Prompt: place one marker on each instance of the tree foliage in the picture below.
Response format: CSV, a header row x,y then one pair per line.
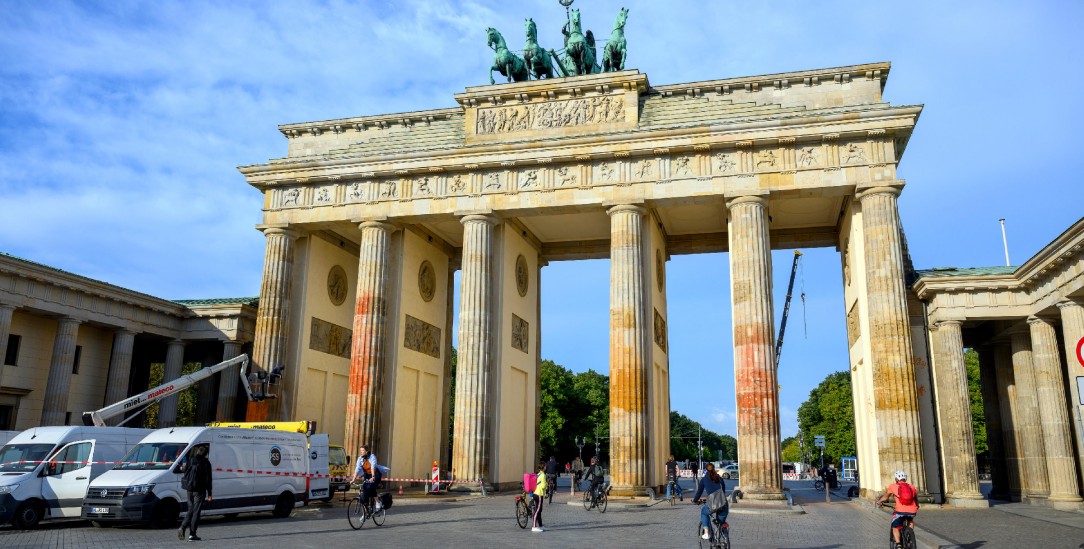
x,y
573,405
186,405
683,438
829,412
792,450
974,394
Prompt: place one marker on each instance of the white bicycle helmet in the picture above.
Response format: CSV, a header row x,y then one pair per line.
x,y
900,475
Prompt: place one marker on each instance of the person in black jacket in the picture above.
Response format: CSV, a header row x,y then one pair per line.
x,y
197,480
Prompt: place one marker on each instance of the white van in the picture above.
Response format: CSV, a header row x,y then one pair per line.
x,y
252,470
45,471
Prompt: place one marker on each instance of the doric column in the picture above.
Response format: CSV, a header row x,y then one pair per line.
x,y
370,326
6,311
167,407
1010,420
120,369
1072,328
756,384
957,437
1050,392
60,372
628,329
991,406
1035,485
273,315
470,440
227,383
899,433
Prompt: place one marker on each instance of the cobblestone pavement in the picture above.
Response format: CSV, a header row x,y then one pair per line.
x,y
490,522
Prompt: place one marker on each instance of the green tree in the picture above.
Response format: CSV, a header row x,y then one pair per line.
x,y
186,404
829,411
974,394
792,451
558,395
683,438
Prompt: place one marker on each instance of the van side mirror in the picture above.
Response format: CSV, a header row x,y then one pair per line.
x,y
348,459
51,468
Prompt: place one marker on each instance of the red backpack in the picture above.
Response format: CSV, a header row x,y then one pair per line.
x,y
906,495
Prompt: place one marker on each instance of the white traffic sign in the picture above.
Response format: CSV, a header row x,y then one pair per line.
x,y
818,441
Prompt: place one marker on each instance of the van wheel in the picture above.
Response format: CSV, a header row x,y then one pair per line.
x,y
284,506
165,514
330,495
29,514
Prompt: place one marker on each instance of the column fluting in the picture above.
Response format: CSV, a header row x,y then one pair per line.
x,y
1036,484
60,372
120,369
273,314
899,432
1010,420
756,383
367,349
1072,328
470,440
167,407
227,383
6,312
628,329
1050,392
957,437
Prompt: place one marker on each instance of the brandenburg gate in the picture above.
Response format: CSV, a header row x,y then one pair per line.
x,y
366,219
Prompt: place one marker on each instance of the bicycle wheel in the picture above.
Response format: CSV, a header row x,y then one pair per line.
x,y
722,536
602,500
378,517
907,538
587,499
522,515
700,530
355,513
819,485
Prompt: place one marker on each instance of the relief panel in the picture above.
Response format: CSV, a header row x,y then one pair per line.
x,y
422,337
550,115
521,333
329,338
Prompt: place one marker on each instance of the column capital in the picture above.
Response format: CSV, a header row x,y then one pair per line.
x,y
951,323
761,200
126,330
69,320
488,219
176,342
1063,304
285,231
1036,321
872,191
626,208
382,225
6,306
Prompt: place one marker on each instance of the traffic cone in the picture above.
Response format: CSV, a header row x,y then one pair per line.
x,y
400,489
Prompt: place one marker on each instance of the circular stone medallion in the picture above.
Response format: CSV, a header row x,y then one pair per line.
x,y
336,285
522,276
427,281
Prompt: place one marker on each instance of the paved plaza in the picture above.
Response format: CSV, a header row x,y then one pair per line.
x,y
489,522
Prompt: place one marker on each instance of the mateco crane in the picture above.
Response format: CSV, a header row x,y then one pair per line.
x,y
138,402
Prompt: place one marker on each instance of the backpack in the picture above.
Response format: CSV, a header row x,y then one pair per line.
x,y
717,500
530,482
906,495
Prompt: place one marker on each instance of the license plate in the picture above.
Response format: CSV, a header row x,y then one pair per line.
x,y
99,510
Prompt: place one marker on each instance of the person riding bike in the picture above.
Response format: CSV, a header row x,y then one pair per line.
x,y
906,503
595,475
551,472
577,470
672,475
709,484
368,469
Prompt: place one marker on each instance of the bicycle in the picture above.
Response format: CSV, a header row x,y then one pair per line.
x,y
675,491
359,510
819,485
596,499
525,508
551,486
907,533
718,534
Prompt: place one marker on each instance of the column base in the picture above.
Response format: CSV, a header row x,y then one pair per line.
x,y
628,491
761,495
968,501
1065,504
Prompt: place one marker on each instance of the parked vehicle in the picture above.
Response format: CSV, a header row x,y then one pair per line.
x,y
45,471
340,469
319,486
730,471
254,470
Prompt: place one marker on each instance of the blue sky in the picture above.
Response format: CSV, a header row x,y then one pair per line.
x,y
121,124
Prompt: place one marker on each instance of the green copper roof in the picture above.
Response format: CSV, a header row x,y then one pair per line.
x,y
253,301
940,272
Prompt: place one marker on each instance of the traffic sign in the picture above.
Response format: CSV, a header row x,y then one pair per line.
x,y
1079,349
818,441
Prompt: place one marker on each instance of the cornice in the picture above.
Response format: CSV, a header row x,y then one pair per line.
x,y
839,75
364,123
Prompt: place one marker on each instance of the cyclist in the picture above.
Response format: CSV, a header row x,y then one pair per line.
x,y
906,503
367,469
577,470
672,475
551,472
595,475
710,483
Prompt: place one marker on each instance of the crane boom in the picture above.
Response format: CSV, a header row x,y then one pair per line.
x,y
786,308
171,387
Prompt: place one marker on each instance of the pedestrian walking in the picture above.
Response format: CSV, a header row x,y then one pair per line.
x,y
197,480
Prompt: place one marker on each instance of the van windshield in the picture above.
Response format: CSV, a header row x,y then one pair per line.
x,y
12,454
152,455
337,456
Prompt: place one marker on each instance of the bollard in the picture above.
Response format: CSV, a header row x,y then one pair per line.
x,y
483,482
